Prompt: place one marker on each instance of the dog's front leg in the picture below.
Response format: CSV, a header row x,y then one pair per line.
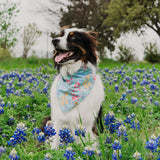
x,y
56,142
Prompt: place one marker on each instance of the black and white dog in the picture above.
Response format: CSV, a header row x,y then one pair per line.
x,y
77,92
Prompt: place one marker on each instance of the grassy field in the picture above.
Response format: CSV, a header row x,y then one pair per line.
x,y
131,113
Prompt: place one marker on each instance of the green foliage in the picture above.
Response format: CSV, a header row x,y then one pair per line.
x,y
4,54
125,54
90,14
126,15
151,53
30,35
8,28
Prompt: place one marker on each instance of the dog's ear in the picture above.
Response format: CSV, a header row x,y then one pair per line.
x,y
93,34
65,27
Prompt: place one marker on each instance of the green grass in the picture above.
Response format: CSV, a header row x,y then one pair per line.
x,y
38,75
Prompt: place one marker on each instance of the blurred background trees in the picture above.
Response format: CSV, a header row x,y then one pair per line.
x,y
110,18
8,29
30,35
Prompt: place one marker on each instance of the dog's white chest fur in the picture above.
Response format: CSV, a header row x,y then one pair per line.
x,y
86,111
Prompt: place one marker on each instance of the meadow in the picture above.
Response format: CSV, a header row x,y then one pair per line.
x,y
131,113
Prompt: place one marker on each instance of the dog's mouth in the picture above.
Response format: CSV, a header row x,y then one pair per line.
x,y
62,56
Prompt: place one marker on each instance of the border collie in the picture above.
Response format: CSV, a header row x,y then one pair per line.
x,y
77,92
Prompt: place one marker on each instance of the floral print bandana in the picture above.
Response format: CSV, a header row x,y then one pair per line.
x,y
73,89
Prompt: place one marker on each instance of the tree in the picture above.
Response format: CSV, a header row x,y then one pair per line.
x,y
30,35
8,29
90,14
126,15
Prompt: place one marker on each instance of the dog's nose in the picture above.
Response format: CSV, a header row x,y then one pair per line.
x,y
55,41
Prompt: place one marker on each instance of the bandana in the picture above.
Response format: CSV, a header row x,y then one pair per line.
x,y
73,89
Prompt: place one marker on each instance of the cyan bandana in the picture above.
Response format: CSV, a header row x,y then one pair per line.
x,y
73,89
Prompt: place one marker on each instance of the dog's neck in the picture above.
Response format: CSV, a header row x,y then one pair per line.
x,y
73,67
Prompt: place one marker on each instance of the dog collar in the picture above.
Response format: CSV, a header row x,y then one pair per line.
x,y
73,89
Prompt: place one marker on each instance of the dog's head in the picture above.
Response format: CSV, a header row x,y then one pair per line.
x,y
75,44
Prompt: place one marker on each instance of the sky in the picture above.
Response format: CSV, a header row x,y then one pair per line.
x,y
32,11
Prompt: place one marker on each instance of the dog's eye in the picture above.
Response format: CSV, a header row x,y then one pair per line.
x,y
72,37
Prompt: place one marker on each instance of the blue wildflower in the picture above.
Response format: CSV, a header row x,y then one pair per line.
x,y
36,130
18,136
152,144
49,130
13,155
88,151
10,121
128,119
80,131
134,100
69,154
156,103
109,118
65,135
116,88
108,140
41,137
135,124
116,145
114,155
122,132
2,150
1,110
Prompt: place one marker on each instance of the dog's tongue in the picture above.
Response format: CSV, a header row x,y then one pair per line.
x,y
61,56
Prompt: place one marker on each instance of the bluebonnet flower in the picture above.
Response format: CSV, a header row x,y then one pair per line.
x,y
116,145
18,136
152,144
153,87
111,106
108,140
26,106
122,132
1,110
69,154
49,130
156,103
2,104
65,135
80,131
2,150
116,88
48,156
109,118
36,130
137,156
11,121
134,82
14,104
41,137
48,105
133,115
134,100
114,155
109,121
88,151
128,119
123,96
135,124
13,155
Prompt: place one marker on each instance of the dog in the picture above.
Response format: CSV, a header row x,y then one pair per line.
x,y
77,92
